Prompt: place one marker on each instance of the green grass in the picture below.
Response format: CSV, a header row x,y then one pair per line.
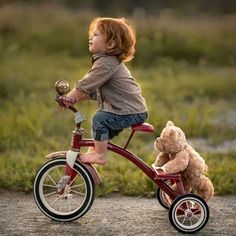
x,y
32,125
52,29
222,172
190,84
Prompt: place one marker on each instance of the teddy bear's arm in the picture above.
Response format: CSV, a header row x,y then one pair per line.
x,y
178,164
162,159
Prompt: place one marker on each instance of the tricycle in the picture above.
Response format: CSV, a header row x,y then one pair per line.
x,y
64,187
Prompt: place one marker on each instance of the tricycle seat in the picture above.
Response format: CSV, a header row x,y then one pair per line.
x,y
145,127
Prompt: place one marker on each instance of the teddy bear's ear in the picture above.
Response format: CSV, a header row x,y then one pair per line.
x,y
169,123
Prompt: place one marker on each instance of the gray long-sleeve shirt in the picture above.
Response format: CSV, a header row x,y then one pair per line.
x,y
112,85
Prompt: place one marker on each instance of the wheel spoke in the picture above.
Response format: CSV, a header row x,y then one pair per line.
x,y
54,201
68,200
181,209
59,173
187,205
73,200
48,185
79,193
197,211
190,220
72,180
52,180
48,194
60,207
77,185
198,218
184,220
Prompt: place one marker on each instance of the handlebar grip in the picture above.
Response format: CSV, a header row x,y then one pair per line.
x,y
60,101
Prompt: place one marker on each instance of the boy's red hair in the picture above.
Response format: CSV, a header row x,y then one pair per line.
x,y
119,31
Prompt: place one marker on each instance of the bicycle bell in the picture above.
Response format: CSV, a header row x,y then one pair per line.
x,y
62,87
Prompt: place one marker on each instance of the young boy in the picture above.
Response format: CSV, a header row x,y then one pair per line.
x,y
119,98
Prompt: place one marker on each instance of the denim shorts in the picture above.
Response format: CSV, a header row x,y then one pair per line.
x,y
106,125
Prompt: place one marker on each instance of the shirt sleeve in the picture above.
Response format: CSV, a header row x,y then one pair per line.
x,y
99,74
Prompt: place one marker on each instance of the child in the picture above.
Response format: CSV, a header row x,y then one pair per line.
x,y
119,99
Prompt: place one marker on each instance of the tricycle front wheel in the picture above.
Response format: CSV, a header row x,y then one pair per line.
x,y
188,213
77,197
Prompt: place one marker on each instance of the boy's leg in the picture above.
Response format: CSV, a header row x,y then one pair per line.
x,y
91,149
99,154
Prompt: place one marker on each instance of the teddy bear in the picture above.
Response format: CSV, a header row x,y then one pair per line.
x,y
177,156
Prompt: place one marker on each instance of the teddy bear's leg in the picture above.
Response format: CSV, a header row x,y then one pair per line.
x,y
187,186
176,189
204,188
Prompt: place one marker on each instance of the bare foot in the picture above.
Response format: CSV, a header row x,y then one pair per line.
x,y
91,149
93,158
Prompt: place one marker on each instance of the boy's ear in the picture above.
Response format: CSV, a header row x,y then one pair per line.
x,y
111,44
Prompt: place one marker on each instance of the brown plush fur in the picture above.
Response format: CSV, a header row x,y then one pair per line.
x,y
177,156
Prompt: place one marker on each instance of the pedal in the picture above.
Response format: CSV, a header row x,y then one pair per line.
x,y
62,184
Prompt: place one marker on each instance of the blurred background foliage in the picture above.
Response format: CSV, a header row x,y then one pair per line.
x,y
185,63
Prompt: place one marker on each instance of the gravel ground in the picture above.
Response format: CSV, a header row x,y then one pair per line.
x,y
116,215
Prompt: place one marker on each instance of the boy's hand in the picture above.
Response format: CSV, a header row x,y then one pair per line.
x,y
65,101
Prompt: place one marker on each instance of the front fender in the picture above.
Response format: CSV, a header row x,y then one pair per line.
x,y
56,154
90,168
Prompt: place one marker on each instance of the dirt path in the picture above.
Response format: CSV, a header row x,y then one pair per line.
x,y
109,216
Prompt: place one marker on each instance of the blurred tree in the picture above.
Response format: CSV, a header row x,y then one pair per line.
x,y
118,7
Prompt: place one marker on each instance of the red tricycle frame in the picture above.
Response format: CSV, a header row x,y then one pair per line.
x,y
64,187
160,179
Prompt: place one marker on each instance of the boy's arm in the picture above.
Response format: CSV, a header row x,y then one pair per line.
x,y
77,94
74,96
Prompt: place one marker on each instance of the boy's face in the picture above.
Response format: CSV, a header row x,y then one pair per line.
x,y
97,42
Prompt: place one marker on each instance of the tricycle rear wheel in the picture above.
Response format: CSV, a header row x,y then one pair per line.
x,y
188,213
164,200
